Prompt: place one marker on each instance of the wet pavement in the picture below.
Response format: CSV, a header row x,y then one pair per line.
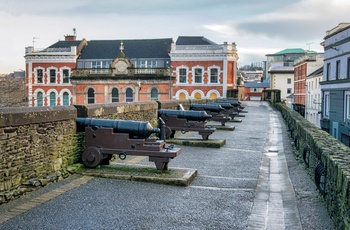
x,y
252,182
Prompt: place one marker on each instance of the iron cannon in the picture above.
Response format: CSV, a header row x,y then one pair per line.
x,y
104,138
185,121
214,109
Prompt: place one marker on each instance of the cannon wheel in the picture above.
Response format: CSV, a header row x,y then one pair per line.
x,y
92,157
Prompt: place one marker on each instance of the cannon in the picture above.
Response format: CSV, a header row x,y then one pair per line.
x,y
236,104
185,121
212,109
105,137
229,110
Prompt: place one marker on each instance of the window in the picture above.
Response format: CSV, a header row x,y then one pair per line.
x,y
347,105
182,75
100,64
151,64
65,98
214,75
115,95
39,75
65,76
129,97
39,98
52,99
197,96
91,96
289,90
154,94
326,106
328,71
198,75
52,76
289,81
337,72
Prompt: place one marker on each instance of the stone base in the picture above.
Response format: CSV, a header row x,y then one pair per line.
x,y
134,172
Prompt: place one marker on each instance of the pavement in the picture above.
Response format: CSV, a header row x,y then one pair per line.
x,y
252,182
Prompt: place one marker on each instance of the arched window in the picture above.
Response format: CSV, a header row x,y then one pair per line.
x,y
182,96
115,95
91,96
52,99
213,95
197,96
154,94
65,98
129,97
39,98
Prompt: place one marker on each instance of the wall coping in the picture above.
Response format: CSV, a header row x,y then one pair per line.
x,y
16,116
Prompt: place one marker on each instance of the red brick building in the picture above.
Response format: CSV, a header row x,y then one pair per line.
x,y
48,72
203,69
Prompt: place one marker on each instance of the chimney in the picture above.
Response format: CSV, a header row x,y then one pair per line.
x,y
70,38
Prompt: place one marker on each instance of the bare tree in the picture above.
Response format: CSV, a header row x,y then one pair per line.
x,y
12,91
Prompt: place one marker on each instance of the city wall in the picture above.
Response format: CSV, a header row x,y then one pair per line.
x,y
40,145
327,161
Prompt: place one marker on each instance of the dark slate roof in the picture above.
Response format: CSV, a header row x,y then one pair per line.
x,y
256,85
65,44
193,40
142,48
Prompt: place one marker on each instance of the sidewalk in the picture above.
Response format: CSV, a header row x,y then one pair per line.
x,y
253,182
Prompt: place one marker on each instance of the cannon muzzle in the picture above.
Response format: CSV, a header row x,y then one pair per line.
x,y
185,114
207,107
141,129
224,105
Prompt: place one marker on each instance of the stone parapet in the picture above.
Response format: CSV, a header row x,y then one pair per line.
x,y
326,159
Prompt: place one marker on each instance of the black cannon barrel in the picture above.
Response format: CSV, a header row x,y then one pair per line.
x,y
224,105
142,129
232,102
207,107
185,114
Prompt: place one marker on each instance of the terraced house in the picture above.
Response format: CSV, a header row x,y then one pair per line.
x,y
335,85
203,69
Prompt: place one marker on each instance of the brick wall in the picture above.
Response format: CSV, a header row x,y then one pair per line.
x,y
328,162
36,147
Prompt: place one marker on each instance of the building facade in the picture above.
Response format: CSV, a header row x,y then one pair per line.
x,y
48,72
202,68
313,97
110,71
335,85
282,78
253,90
304,66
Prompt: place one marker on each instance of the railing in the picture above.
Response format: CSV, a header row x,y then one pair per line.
x,y
104,72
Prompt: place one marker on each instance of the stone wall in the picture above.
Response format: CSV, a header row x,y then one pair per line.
x,y
328,163
36,147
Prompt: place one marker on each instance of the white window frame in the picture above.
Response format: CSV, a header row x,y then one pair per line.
x,y
36,75
326,104
178,74
194,74
218,75
62,76
49,75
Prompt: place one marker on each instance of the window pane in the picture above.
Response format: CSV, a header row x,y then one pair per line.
x,y
198,75
154,94
183,76
129,95
40,75
91,96
39,99
115,95
65,76
214,75
65,98
52,99
52,76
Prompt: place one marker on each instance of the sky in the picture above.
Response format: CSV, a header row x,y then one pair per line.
x,y
257,27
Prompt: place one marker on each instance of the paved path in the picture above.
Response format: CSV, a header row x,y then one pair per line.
x,y
253,182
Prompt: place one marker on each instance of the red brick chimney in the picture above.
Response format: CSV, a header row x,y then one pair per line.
x,y
70,38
